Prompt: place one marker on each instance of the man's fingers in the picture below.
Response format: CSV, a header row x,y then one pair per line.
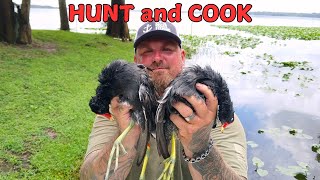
x,y
198,105
178,121
114,101
118,107
212,101
183,109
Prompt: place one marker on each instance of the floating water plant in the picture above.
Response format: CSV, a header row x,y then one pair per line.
x,y
280,32
316,148
252,144
260,131
259,164
230,53
284,131
293,170
191,43
286,76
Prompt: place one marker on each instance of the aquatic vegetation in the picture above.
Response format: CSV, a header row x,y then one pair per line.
x,y
236,41
252,144
293,171
230,53
192,43
259,164
284,131
316,148
286,76
243,72
279,32
302,65
260,131
293,131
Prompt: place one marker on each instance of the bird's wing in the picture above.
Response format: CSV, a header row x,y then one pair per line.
x,y
162,143
144,97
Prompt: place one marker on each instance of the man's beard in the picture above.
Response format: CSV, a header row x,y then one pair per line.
x,y
161,81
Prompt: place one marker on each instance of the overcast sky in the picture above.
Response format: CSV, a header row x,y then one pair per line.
x,y
297,6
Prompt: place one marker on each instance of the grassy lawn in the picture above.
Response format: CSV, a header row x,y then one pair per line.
x,y
45,89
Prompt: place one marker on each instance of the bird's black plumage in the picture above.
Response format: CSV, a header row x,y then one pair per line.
x,y
131,83
184,85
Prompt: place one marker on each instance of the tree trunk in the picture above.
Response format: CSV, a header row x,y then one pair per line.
x,y
7,24
120,28
25,36
64,22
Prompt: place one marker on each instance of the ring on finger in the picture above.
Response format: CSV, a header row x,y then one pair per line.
x,y
189,118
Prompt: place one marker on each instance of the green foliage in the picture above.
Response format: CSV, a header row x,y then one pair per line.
x,y
286,76
259,164
45,89
280,32
286,131
316,148
293,171
192,43
252,144
230,53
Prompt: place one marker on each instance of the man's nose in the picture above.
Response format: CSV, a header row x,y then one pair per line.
x,y
157,56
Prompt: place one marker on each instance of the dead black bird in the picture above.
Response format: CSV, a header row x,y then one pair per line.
x,y
184,85
131,83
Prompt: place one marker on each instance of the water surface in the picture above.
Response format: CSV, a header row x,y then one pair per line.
x,y
264,101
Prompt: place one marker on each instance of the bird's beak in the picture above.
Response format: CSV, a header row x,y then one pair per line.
x,y
144,67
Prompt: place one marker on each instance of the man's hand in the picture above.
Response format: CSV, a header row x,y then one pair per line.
x,y
195,133
121,113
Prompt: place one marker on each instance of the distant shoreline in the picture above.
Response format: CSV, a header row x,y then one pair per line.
x,y
43,7
310,15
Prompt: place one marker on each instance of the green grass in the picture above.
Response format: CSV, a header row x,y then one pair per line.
x,y
280,32
45,89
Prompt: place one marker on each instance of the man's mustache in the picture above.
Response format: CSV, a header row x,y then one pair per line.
x,y
157,65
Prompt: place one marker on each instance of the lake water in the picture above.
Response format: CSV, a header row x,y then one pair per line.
x,y
50,19
262,100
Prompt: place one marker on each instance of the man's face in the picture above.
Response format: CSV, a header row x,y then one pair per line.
x,y
164,57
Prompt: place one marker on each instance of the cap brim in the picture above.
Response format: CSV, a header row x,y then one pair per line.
x,y
157,33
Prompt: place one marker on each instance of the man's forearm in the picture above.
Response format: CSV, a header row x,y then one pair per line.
x,y
95,165
213,167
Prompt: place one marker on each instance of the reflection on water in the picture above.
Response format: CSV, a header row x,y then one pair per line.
x,y
264,101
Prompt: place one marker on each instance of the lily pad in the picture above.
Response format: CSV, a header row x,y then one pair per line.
x,y
260,131
300,176
293,170
252,144
302,164
316,148
262,172
257,162
293,131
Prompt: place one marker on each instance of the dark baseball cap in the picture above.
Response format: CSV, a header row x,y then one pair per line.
x,y
156,29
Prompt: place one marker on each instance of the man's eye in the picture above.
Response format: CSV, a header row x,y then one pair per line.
x,y
147,51
167,49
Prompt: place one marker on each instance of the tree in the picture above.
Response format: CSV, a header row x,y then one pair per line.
x,y
7,21
64,22
24,36
119,28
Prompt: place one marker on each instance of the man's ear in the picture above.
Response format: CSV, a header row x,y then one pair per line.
x,y
135,59
183,55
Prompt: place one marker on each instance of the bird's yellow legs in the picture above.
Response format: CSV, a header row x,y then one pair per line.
x,y
145,162
116,149
167,173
